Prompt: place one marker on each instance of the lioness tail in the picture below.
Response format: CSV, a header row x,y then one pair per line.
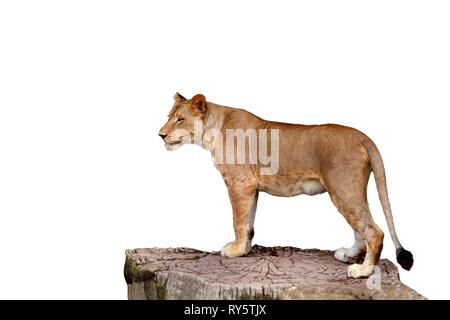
x,y
404,257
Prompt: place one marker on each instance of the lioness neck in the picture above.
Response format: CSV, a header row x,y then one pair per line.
x,y
218,117
215,116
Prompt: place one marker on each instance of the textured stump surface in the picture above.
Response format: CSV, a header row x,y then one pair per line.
x,y
266,273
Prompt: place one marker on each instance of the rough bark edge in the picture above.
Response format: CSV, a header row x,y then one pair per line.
x,y
167,287
332,292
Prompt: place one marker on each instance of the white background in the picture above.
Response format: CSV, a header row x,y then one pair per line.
x,y
86,85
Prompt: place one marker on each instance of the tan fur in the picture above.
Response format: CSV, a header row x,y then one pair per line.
x,y
312,159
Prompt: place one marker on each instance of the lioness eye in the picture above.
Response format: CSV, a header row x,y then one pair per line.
x,y
180,119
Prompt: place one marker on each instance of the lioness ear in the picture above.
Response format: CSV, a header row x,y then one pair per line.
x,y
198,105
178,97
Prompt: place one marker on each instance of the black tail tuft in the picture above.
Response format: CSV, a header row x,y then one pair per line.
x,y
405,258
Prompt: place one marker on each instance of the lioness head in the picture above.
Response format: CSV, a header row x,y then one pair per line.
x,y
179,129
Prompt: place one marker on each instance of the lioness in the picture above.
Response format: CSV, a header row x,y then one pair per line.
x,y
309,159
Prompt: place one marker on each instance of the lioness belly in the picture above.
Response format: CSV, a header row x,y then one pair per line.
x,y
279,186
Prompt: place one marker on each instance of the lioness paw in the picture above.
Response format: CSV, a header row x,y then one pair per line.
x,y
359,271
232,250
342,254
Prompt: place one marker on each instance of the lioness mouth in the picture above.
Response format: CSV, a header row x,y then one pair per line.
x,y
176,142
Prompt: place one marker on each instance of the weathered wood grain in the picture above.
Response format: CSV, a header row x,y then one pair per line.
x,y
266,273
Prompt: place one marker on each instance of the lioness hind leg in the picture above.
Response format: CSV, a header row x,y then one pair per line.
x,y
374,243
357,214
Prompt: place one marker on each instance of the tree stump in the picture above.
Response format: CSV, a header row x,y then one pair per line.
x,y
266,273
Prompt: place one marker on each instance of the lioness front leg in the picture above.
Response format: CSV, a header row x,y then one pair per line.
x,y
244,198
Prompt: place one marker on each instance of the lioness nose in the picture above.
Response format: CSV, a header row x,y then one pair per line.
x,y
163,136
